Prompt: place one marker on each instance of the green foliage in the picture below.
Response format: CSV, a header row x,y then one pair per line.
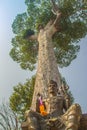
x,y
21,98
18,24
28,33
24,52
73,27
63,81
71,97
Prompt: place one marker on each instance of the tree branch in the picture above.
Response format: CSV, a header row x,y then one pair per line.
x,y
29,34
32,37
55,8
57,18
56,11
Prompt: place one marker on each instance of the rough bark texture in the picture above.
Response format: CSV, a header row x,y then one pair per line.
x,y
47,66
55,115
83,122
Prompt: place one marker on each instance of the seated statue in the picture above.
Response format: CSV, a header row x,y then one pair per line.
x,y
58,114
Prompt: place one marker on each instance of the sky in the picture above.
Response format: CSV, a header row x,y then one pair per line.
x,y
10,72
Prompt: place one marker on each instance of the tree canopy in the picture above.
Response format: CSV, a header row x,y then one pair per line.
x,y
73,27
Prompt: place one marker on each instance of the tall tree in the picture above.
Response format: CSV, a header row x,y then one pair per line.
x,y
57,26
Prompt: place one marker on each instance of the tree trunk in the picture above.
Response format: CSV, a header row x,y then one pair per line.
x,y
47,68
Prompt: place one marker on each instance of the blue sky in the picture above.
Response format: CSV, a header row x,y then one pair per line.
x,y
11,73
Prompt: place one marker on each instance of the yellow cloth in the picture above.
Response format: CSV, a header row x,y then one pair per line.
x,y
42,110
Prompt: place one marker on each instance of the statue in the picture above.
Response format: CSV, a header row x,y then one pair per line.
x,y
59,115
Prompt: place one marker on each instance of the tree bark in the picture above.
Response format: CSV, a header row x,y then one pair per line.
x,y
83,122
47,68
